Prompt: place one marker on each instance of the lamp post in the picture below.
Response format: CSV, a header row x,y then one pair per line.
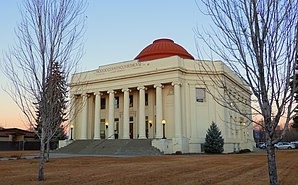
x,y
150,123
163,129
71,131
107,126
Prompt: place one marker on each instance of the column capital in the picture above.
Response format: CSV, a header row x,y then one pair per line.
x,y
97,93
72,96
158,85
85,95
126,90
176,83
142,88
75,96
111,92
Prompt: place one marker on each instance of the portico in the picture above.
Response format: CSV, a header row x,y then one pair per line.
x,y
127,110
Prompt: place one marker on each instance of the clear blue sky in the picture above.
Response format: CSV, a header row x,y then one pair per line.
x,y
116,31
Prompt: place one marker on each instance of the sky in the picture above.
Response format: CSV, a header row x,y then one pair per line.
x,y
116,31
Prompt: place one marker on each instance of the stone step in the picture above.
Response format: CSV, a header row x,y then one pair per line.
x,y
75,146
112,147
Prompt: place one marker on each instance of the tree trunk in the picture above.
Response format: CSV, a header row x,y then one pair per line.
x,y
48,151
41,160
272,165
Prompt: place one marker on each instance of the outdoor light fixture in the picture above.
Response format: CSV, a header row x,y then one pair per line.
x,y
71,131
150,123
164,129
107,124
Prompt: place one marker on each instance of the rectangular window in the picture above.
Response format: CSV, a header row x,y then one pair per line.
x,y
200,94
102,103
130,118
116,102
130,100
146,99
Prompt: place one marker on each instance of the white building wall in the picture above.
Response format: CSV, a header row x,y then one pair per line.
x,y
196,116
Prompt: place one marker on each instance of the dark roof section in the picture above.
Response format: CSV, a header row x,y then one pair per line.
x,y
16,131
162,48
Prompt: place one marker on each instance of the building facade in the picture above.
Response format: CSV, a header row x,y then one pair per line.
x,y
159,95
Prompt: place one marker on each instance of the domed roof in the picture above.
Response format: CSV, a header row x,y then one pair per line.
x,y
162,48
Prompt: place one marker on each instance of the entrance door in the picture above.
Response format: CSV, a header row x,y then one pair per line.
x,y
146,127
131,130
116,131
102,129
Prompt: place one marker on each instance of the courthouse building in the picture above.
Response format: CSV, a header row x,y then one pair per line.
x,y
159,95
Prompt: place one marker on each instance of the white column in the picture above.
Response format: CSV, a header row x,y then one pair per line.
x,y
177,108
111,121
84,116
126,114
97,115
72,117
159,113
142,132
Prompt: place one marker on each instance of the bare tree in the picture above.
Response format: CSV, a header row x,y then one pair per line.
x,y
257,40
48,34
55,95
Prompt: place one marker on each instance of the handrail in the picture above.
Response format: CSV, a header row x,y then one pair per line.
x,y
111,136
103,140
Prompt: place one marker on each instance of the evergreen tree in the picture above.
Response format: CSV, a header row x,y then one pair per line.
x,y
295,124
55,95
213,141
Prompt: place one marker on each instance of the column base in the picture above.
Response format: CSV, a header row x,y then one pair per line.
x,y
158,137
96,138
142,137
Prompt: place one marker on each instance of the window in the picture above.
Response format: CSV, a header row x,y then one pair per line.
x,y
116,102
130,118
200,94
130,100
102,103
146,99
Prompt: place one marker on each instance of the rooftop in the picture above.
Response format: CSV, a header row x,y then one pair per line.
x,y
162,48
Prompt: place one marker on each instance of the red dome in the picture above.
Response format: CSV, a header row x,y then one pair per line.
x,y
162,48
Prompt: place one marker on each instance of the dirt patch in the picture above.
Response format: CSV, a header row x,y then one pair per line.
x,y
18,153
195,169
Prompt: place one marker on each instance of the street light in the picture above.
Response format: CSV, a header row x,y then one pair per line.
x,y
71,131
107,125
164,128
150,123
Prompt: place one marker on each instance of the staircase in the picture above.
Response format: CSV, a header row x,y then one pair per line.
x,y
111,147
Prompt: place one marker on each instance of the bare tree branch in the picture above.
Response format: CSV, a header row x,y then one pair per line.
x,y
49,34
257,40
